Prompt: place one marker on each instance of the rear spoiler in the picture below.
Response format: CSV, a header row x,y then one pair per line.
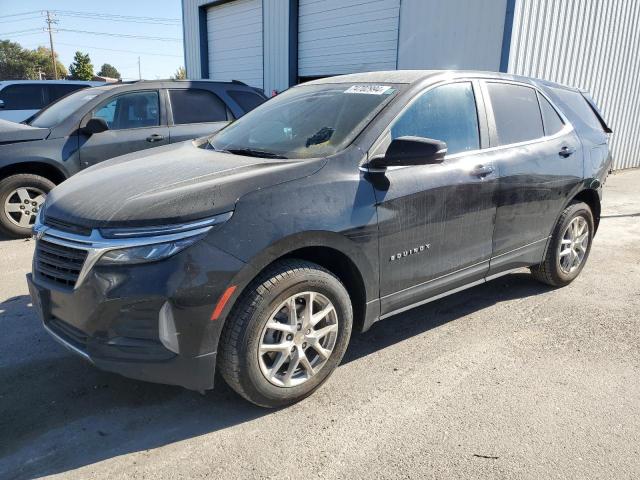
x,y
596,111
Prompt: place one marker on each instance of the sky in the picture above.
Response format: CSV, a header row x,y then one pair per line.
x,y
158,58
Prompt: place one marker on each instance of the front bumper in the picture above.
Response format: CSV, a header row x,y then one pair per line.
x,y
112,318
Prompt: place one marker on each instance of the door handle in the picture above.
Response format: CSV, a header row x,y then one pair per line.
x,y
482,170
155,138
566,151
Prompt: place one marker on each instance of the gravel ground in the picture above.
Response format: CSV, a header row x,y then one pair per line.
x,y
507,380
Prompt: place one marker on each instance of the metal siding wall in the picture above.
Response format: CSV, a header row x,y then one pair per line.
x,y
191,35
235,42
452,34
591,44
276,45
346,36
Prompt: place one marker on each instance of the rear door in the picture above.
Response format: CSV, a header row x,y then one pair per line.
x,y
436,221
195,112
136,122
539,161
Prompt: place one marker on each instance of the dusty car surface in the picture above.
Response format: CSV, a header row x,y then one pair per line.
x,y
336,204
92,125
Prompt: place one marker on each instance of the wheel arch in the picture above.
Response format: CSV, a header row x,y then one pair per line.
x,y
330,250
591,198
34,167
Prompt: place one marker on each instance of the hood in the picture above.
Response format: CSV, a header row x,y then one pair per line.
x,y
171,184
18,132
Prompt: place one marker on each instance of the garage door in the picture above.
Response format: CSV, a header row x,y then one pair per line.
x,y
346,36
234,33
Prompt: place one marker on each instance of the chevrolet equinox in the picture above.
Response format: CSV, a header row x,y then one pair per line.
x,y
341,202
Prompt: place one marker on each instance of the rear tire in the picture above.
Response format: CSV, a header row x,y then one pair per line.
x,y
568,248
275,367
21,196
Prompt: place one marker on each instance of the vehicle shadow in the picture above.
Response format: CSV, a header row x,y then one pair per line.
x,y
58,413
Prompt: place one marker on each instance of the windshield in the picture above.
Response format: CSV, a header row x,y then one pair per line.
x,y
56,112
305,122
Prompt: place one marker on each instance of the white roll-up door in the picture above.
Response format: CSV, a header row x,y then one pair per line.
x,y
234,35
347,36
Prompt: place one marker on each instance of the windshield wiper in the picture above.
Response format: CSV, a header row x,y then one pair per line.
x,y
250,152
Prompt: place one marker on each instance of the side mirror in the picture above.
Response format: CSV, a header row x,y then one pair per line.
x,y
95,125
1,103
407,151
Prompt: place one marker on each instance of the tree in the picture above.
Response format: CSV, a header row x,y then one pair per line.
x,y
181,74
42,57
17,63
108,70
81,68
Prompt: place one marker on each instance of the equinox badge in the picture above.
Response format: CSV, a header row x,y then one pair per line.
x,y
412,251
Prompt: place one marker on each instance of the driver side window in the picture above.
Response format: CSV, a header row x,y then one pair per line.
x,y
447,113
131,110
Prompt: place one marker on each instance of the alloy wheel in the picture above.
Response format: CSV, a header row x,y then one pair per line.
x,y
22,205
574,245
298,339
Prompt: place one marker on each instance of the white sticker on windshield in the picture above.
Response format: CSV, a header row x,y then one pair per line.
x,y
369,89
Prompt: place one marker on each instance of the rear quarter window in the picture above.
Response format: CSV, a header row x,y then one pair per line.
x,y
576,107
247,100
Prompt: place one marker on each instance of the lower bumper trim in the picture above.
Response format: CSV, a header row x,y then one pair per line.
x,y
67,345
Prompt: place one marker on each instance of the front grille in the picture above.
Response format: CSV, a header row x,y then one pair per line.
x,y
66,227
59,264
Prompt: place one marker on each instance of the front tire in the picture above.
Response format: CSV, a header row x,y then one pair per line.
x,y
21,196
568,248
286,335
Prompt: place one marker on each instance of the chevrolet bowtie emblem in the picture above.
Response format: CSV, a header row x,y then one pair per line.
x,y
412,251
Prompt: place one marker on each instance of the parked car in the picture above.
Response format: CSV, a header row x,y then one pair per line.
x,y
92,125
336,204
20,99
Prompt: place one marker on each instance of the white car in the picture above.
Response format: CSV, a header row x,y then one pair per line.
x,y
19,99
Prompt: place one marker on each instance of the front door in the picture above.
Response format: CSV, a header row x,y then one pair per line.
x,y
135,123
436,221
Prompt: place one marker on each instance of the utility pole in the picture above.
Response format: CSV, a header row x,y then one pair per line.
x,y
139,74
49,21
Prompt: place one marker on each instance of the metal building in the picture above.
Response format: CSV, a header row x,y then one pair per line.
x,y
273,44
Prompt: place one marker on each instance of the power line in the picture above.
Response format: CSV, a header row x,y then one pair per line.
x,y
21,19
119,18
121,35
117,50
20,14
17,32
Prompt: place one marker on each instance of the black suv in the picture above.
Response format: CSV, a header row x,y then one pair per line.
x,y
338,203
92,125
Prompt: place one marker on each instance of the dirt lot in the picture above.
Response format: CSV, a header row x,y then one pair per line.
x,y
507,380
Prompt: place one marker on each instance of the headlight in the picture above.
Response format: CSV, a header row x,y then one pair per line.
x,y
146,253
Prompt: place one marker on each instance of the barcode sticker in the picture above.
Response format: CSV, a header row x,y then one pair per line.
x,y
369,89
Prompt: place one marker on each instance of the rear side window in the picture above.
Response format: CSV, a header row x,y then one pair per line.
x,y
516,113
552,121
196,106
23,97
58,91
447,113
247,100
579,107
